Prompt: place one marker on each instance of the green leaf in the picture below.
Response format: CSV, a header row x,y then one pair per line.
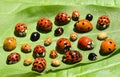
x,y
30,11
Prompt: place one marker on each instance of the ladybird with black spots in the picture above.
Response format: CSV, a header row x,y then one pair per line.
x,y
72,56
63,44
103,22
39,65
107,46
21,29
39,51
83,26
44,24
85,43
13,58
62,18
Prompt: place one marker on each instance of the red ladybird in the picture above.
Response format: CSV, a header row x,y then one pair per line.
x,y
13,58
83,26
63,44
39,64
75,15
53,53
39,51
44,24
107,46
103,22
85,43
21,29
72,57
62,18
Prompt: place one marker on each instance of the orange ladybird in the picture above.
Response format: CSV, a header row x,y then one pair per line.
x,y
63,44
108,46
83,26
75,15
26,48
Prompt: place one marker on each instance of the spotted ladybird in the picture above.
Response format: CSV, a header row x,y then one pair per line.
x,y
21,29
63,44
39,65
62,18
13,58
83,26
44,24
103,22
107,46
39,51
72,57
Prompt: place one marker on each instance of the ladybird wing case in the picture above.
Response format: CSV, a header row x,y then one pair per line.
x,y
72,57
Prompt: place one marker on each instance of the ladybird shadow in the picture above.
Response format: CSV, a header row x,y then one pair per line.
x,y
59,51
28,74
34,56
61,24
17,35
41,31
25,52
100,28
103,54
75,30
83,48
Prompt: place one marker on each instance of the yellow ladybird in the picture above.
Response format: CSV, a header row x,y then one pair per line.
x,y
9,43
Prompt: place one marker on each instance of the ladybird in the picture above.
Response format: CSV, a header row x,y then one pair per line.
x,y
39,51
63,44
73,36
59,31
62,18
89,17
44,24
53,53
83,26
55,63
13,58
21,29
27,61
72,57
92,56
9,43
103,22
102,36
47,41
26,48
85,43
34,36
39,65
107,46
75,15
